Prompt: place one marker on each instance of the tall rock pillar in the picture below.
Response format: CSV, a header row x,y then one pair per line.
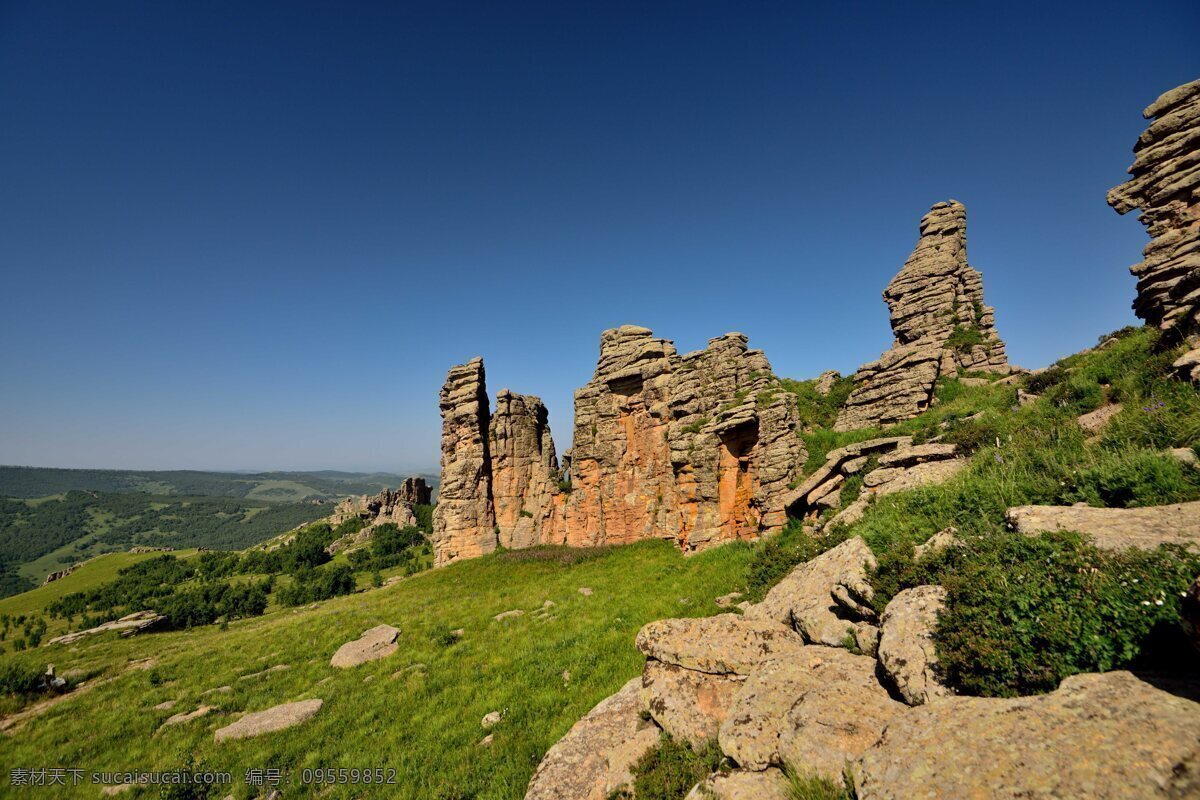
x,y
940,324
1166,187
464,521
524,468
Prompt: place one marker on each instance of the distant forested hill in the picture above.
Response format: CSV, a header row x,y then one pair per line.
x,y
29,482
44,535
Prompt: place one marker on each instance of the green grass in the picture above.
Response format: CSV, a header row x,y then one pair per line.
x,y
424,723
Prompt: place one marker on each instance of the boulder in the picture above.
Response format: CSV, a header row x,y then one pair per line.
x,y
813,711
1103,737
273,719
375,643
813,597
128,625
740,784
687,704
593,760
727,644
947,537
1115,528
906,648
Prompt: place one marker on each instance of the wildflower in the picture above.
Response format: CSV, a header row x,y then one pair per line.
x,y
1145,602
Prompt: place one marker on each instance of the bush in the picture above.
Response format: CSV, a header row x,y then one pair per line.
x,y
1077,395
819,410
19,679
388,539
1024,612
309,586
1047,378
1130,478
672,768
963,338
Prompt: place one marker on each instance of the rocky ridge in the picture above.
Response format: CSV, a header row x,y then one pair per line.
x,y
940,325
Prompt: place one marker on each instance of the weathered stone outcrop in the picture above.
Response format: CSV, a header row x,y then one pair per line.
x,y
697,449
727,644
1103,737
1165,186
415,490
940,324
128,625
524,468
1115,528
391,506
375,643
687,704
273,719
464,521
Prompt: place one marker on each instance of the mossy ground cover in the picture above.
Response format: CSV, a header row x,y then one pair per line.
x,y
422,721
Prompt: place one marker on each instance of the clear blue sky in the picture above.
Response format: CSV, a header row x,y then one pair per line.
x,y
255,235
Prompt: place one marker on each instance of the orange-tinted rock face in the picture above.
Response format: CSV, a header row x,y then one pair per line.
x,y
696,449
464,522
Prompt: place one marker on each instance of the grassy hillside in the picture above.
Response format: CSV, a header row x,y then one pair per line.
x,y
423,721
32,482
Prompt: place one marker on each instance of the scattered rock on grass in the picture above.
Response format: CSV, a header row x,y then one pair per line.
x,y
516,612
374,644
906,648
274,719
740,784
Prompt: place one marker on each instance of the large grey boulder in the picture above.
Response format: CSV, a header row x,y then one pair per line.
x,y
687,704
273,719
1102,737
593,760
825,598
906,648
721,645
813,711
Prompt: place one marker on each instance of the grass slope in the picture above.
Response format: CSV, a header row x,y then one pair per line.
x,y
425,723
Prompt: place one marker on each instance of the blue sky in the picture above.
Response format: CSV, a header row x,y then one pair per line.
x,y
256,235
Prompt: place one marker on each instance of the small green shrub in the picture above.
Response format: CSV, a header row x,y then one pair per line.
x,y
19,679
1047,378
804,786
819,410
1024,612
1077,395
1130,478
963,338
672,768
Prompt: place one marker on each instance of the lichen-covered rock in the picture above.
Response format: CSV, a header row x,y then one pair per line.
x,y
906,648
824,598
1115,528
1166,188
940,325
812,711
464,520
741,784
593,760
727,644
524,468
1104,737
687,704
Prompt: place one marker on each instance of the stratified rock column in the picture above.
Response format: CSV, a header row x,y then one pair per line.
x,y
940,324
524,468
1166,187
464,523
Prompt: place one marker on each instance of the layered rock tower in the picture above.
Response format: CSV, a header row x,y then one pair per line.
x,y
940,323
1166,187
697,449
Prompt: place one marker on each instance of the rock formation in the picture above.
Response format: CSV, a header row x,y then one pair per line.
x,y
1166,187
1115,528
415,491
387,506
698,449
940,323
524,468
464,521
